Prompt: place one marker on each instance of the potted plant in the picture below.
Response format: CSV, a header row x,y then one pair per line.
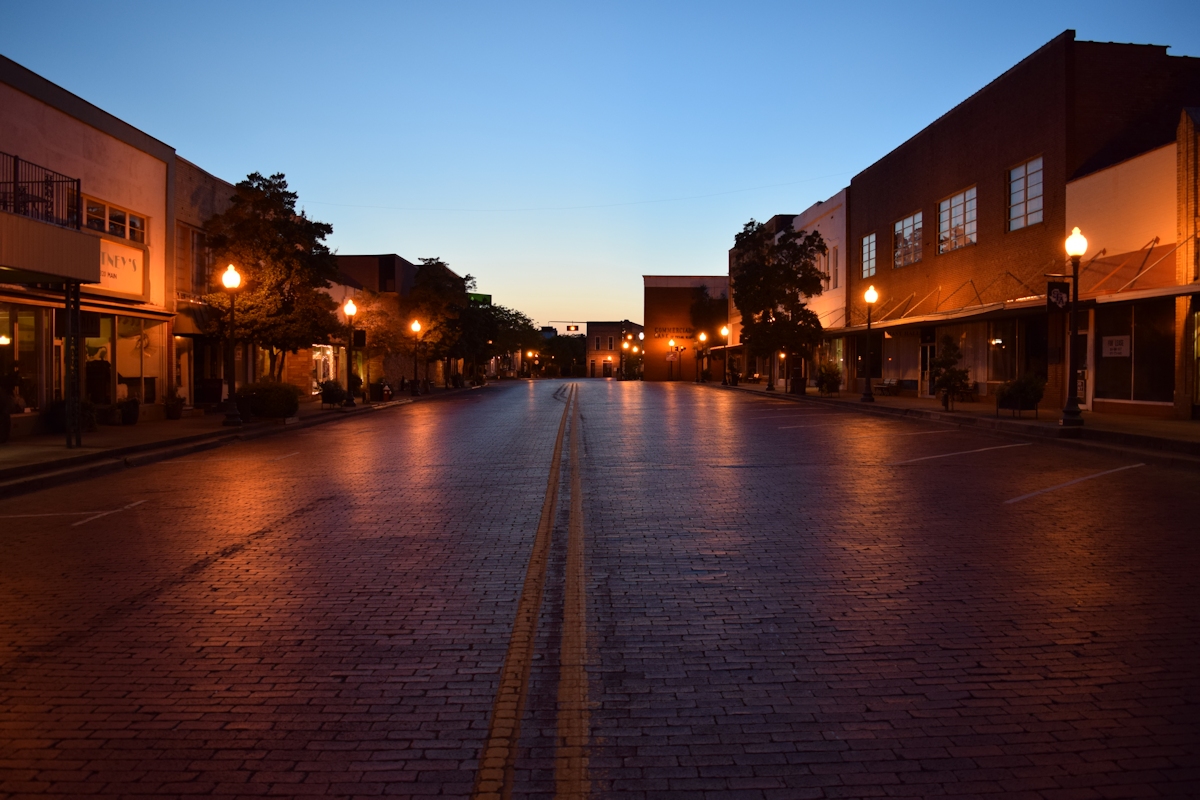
x,y
129,408
173,406
332,393
1022,394
829,378
949,379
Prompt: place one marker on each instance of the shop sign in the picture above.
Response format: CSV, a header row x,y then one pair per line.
x,y
1114,346
122,269
672,356
1058,294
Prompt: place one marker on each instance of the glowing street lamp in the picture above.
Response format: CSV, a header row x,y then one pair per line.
x,y
725,356
416,383
700,354
1072,417
870,296
231,279
349,309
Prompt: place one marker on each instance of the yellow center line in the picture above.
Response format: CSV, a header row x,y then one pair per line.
x,y
494,780
571,756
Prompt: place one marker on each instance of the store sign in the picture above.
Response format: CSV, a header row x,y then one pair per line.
x,y
1058,294
1114,346
122,269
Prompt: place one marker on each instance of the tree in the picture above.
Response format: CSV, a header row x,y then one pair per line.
x,y
773,274
437,299
285,264
708,313
948,378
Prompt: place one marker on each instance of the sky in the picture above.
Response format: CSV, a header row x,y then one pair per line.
x,y
559,151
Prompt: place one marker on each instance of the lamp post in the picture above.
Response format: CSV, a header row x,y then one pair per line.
x,y
416,329
349,309
870,296
701,356
783,369
1072,417
725,356
624,352
231,279
671,360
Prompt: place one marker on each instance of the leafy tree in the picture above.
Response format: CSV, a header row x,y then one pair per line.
x,y
948,378
709,313
437,299
565,351
285,264
773,274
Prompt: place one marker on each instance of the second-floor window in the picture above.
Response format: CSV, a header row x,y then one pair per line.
x,y
1025,194
597,342
868,256
610,343
833,267
906,246
956,221
114,221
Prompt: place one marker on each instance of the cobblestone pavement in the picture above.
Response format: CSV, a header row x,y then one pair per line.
x,y
782,601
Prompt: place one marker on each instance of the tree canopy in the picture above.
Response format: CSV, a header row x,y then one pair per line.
x,y
709,313
773,274
284,263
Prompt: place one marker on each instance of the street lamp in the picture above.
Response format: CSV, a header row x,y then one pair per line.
x,y
625,352
416,329
671,360
1072,417
725,356
349,309
870,296
700,355
231,279
783,369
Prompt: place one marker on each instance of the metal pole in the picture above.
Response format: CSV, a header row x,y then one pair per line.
x,y
416,388
868,396
349,402
1072,417
232,417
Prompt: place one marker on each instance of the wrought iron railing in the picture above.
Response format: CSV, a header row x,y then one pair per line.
x,y
42,194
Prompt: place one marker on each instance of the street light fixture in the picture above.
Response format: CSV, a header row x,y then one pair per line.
x,y
349,309
231,279
725,356
700,354
416,384
671,360
870,296
1072,417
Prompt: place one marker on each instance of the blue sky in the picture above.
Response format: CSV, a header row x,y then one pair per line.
x,y
556,151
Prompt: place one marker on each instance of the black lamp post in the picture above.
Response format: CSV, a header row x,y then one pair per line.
x,y
416,329
231,279
725,357
870,296
349,309
1072,417
701,356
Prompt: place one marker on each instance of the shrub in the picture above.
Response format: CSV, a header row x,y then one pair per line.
x,y
829,378
271,399
332,393
1022,394
949,379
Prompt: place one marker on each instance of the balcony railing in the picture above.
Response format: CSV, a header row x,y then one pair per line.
x,y
39,193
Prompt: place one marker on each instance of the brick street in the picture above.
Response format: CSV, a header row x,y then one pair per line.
x,y
779,600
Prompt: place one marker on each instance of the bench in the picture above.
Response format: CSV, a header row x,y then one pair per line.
x,y
887,386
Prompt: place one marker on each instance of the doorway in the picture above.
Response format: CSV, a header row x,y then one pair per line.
x,y
928,351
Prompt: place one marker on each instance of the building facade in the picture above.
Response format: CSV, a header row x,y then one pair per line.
x,y
613,349
673,350
959,227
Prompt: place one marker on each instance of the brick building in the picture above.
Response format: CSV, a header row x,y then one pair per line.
x,y
610,348
958,227
672,343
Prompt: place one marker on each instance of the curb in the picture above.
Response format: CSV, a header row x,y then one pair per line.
x,y
1165,452
55,473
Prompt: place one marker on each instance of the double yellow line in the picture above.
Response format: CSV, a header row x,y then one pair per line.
x,y
497,762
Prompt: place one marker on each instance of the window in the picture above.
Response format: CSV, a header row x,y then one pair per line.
x,y
200,262
597,342
114,221
1025,194
833,268
956,221
610,343
868,258
906,248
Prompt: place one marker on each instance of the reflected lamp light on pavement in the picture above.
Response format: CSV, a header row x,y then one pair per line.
x,y
1077,244
232,279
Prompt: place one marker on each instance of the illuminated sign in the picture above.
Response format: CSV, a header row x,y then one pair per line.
x,y
122,269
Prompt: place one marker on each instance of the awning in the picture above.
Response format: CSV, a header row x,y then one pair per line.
x,y
38,252
1145,294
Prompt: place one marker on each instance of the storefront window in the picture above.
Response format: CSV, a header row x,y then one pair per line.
x,y
323,367
1135,351
184,369
21,341
1002,350
98,368
139,358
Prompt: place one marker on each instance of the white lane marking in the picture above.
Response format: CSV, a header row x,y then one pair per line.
x,y
1072,483
915,433
106,513
959,453
289,455
796,427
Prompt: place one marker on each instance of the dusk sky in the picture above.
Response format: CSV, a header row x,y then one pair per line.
x,y
557,152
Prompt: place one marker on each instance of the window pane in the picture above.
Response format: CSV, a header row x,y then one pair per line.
x,y
1112,372
96,217
137,228
1154,350
116,222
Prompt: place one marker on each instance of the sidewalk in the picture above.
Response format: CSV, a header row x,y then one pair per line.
x,y
35,462
1170,440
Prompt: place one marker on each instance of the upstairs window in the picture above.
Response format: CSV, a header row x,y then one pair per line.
x,y
1025,194
610,343
114,221
956,221
833,268
868,256
907,242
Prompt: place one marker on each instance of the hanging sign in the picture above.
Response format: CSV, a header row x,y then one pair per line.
x,y
122,269
1058,295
